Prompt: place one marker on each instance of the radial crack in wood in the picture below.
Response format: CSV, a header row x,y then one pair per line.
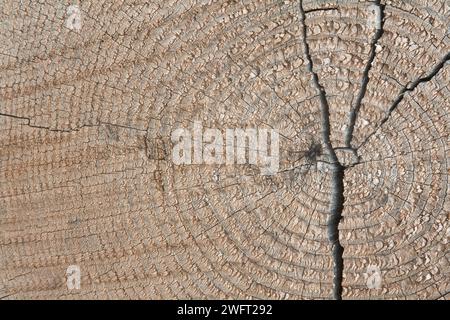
x,y
341,109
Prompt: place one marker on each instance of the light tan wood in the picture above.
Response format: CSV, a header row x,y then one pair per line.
x,y
87,108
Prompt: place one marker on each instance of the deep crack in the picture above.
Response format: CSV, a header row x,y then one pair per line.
x,y
407,88
336,208
365,79
337,178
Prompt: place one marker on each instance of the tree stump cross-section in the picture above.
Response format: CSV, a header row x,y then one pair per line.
x,y
94,206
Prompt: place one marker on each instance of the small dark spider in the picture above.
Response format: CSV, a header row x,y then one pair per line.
x,y
313,152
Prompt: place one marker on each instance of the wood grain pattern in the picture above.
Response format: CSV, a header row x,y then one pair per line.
x,y
87,178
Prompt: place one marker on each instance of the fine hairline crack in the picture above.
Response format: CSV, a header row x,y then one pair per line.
x,y
100,123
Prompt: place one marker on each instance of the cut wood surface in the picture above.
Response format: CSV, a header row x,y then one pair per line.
x,y
91,91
